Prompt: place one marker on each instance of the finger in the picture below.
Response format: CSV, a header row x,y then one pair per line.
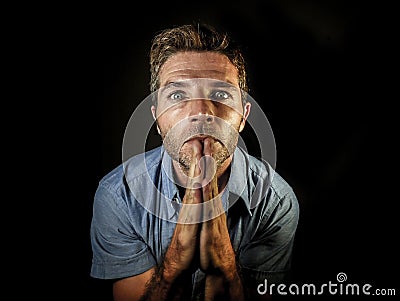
x,y
192,193
208,146
210,190
190,212
211,167
207,151
192,187
212,201
207,191
214,186
215,204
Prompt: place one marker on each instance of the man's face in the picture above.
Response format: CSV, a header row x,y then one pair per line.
x,y
199,98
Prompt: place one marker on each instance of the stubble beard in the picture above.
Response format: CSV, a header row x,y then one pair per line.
x,y
226,140
185,155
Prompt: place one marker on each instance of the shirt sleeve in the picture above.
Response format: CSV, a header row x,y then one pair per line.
x,y
118,251
268,254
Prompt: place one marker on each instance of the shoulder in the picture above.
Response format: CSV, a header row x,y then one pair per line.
x,y
276,191
133,168
264,171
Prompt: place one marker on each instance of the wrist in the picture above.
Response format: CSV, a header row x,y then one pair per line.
x,y
168,273
232,276
234,286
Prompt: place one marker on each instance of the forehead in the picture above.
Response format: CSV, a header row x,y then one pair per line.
x,y
187,65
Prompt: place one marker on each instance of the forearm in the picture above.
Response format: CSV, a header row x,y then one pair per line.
x,y
234,287
171,278
166,285
158,287
224,286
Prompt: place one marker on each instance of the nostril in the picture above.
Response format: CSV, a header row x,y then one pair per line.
x,y
202,118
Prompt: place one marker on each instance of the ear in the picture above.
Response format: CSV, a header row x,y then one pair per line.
x,y
153,112
246,113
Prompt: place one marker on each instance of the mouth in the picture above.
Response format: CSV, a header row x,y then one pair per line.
x,y
201,138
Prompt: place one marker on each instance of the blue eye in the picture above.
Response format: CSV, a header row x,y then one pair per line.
x,y
220,95
179,95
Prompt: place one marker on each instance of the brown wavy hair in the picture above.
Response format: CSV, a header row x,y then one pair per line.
x,y
194,37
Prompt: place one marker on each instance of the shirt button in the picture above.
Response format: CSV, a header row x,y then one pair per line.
x,y
175,203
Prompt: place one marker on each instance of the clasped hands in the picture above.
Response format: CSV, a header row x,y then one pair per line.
x,y
205,244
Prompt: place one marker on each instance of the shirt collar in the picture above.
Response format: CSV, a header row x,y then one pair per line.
x,y
237,184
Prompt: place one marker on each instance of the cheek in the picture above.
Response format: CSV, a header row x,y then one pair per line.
x,y
231,115
233,118
163,123
167,120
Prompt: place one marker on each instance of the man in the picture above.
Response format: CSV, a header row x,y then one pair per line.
x,y
198,217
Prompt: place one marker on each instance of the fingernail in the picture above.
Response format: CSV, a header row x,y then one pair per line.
x,y
196,185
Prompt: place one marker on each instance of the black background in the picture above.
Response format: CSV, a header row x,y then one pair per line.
x,y
317,68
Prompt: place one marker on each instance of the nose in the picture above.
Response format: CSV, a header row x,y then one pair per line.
x,y
201,111
202,118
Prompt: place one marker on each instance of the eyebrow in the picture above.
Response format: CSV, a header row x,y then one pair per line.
x,y
222,84
170,85
180,84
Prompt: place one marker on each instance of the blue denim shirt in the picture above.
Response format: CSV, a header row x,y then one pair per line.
x,y
136,207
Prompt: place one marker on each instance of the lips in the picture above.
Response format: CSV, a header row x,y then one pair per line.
x,y
200,138
197,137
